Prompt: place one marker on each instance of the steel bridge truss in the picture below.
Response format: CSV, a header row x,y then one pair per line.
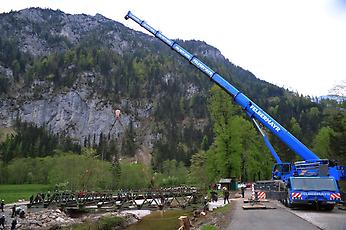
x,y
121,200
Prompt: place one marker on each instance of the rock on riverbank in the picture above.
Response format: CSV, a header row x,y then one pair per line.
x,y
46,219
55,219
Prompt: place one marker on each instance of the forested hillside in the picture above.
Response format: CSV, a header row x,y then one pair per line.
x,y
62,76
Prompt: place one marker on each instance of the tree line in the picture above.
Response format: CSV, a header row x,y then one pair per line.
x,y
34,155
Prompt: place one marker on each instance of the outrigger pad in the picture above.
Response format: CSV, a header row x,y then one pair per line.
x,y
257,206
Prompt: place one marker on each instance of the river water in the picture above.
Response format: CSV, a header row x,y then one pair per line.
x,y
161,220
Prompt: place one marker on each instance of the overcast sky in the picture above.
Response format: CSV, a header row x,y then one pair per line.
x,y
297,44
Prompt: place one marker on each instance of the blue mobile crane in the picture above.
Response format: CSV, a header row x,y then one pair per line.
x,y
312,180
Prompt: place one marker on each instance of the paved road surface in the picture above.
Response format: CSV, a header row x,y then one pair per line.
x,y
283,218
333,220
264,219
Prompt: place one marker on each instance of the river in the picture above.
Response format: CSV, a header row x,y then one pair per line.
x,y
161,220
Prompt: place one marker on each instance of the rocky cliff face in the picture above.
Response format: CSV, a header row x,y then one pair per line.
x,y
81,114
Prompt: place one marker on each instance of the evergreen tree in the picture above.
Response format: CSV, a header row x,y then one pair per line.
x,y
236,150
322,143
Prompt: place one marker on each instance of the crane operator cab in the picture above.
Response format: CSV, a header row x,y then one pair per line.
x,y
281,171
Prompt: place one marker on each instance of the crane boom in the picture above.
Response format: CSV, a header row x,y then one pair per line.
x,y
252,110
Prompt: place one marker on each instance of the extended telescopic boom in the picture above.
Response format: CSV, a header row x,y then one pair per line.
x,y
252,110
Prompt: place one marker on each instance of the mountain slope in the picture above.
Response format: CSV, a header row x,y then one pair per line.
x,y
70,72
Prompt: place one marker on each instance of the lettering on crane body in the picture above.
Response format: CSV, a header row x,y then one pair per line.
x,y
200,65
265,118
315,193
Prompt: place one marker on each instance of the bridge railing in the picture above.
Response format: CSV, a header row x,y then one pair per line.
x,y
121,199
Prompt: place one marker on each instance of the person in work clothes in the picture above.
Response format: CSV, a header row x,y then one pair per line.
x,y
13,211
2,222
14,224
225,195
242,191
2,205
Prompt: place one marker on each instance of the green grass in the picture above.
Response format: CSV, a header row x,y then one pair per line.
x,y
13,192
208,227
105,223
4,132
223,209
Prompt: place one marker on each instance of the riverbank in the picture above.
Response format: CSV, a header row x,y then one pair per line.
x,y
58,219
217,216
220,217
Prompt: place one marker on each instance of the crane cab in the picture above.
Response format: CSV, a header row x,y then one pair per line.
x,y
281,171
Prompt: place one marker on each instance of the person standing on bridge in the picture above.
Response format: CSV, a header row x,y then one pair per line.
x,y
225,195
